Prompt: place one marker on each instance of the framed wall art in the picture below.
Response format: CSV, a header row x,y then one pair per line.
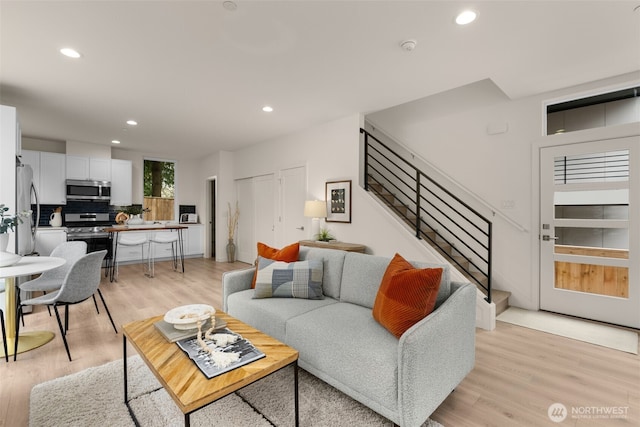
x,y
338,196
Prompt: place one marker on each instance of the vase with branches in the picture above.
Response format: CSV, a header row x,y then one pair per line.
x,y
232,225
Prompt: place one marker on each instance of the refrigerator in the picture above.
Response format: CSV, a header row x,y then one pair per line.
x,y
25,238
26,200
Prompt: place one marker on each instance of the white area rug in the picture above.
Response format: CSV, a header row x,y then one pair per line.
x,y
95,397
594,333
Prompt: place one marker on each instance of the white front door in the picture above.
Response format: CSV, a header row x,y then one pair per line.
x,y
590,233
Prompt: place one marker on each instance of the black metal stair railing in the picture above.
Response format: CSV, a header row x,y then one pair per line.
x,y
435,214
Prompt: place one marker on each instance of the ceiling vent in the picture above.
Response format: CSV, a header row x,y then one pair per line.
x,y
408,45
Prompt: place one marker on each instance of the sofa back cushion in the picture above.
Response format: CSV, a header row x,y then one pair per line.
x,y
406,295
333,262
287,254
300,279
362,275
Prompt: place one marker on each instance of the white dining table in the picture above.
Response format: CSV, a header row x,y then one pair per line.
x,y
27,266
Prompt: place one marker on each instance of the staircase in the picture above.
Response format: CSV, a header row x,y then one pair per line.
x,y
434,215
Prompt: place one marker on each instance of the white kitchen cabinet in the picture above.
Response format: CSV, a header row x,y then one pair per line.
x,y
52,190
80,167
8,145
47,238
100,169
77,167
48,175
121,182
194,241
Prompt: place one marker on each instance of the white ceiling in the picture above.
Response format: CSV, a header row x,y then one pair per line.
x,y
195,75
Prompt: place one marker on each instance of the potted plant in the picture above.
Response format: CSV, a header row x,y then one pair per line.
x,y
134,212
324,235
8,223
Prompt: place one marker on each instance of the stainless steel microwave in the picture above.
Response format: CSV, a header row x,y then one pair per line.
x,y
88,190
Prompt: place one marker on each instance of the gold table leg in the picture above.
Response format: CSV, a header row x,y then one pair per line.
x,y
28,340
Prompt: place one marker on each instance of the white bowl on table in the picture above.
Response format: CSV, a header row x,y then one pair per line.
x,y
188,316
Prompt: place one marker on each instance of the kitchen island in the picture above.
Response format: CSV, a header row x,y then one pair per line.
x,y
117,229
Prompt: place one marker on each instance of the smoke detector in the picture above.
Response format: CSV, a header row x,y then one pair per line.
x,y
408,45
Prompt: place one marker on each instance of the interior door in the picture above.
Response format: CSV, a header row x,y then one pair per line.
x,y
256,202
293,190
265,205
212,216
590,235
246,221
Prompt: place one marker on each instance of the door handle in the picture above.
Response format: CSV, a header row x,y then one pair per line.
x,y
546,237
300,228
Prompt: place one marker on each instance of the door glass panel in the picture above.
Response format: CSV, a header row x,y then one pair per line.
x,y
591,223
595,167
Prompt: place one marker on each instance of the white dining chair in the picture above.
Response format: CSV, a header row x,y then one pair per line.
x,y
81,283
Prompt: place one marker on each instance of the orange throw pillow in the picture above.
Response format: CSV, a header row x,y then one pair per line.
x,y
286,254
406,295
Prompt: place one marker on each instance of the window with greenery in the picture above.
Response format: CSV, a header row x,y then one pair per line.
x,y
159,190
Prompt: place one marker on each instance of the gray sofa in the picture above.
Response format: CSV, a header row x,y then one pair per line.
x,y
341,343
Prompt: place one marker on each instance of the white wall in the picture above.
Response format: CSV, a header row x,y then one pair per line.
x,y
456,131
330,152
98,151
218,166
50,146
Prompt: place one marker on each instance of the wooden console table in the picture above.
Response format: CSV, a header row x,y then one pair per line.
x,y
349,247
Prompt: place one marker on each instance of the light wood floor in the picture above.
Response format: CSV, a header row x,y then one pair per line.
x,y
518,374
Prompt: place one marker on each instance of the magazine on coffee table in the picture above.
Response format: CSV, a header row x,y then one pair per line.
x,y
204,361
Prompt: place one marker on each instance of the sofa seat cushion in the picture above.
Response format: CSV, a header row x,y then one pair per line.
x,y
344,342
269,315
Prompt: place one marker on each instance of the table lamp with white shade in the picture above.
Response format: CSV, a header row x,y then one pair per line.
x,y
315,209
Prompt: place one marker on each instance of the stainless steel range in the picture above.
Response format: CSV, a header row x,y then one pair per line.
x,y
89,227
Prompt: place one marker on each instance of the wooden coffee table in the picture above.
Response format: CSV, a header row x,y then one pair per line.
x,y
185,383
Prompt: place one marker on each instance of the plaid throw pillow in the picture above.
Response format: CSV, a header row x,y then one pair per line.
x,y
277,279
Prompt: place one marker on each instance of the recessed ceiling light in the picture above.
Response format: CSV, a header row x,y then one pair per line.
x,y
466,17
115,141
267,109
71,53
132,123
